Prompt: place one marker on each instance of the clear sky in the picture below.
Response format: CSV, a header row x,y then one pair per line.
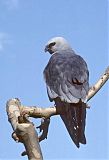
x,y
25,27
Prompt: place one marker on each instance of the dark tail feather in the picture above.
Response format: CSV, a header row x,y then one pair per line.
x,y
82,110
74,120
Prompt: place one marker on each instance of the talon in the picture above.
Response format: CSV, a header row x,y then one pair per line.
x,y
39,127
24,153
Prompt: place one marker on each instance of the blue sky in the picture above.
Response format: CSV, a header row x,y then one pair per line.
x,y
25,27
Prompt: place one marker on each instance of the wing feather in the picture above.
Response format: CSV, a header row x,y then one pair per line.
x,y
66,77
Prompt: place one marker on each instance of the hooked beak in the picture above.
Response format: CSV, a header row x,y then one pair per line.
x,y
46,48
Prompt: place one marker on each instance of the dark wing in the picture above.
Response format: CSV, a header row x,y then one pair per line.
x,y
66,77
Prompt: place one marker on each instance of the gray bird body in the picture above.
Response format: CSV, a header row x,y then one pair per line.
x,y
67,77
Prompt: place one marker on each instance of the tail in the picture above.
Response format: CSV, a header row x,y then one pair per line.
x,y
74,120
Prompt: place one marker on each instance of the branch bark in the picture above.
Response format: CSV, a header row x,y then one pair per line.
x,y
24,130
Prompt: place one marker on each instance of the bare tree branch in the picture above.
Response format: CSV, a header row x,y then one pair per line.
x,y
94,89
24,130
38,112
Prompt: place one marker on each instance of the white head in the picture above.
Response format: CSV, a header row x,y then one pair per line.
x,y
56,44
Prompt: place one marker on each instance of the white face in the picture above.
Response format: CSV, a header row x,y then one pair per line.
x,y
56,44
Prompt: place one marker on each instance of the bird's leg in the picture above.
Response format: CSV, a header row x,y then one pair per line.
x,y
44,128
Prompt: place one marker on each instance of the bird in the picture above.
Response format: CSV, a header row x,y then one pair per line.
x,y
67,82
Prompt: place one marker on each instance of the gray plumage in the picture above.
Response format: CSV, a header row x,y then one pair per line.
x,y
67,77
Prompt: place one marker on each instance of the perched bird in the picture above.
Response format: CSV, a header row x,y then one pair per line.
x,y
67,81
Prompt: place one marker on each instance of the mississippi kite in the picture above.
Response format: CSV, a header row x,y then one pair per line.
x,y
67,81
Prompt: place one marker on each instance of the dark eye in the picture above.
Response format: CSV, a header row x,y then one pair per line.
x,y
52,44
